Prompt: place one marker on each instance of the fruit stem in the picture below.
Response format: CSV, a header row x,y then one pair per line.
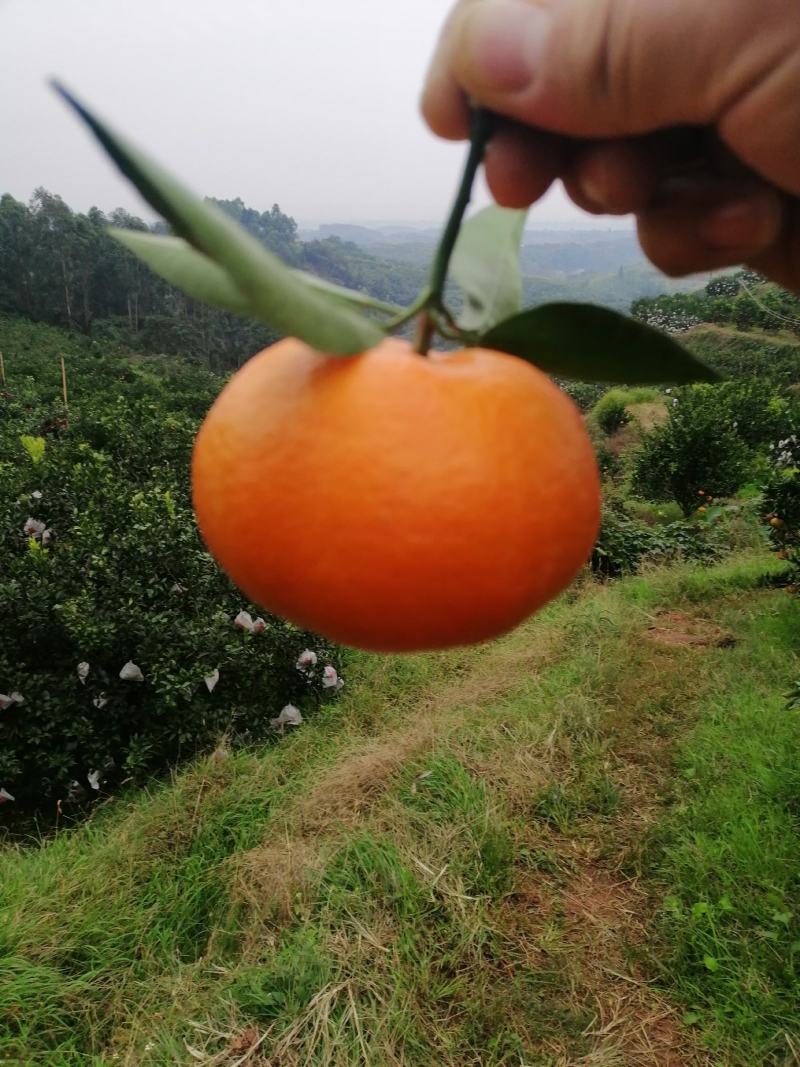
x,y
426,328
407,314
481,130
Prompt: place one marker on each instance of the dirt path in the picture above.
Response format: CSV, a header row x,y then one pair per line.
x,y
586,915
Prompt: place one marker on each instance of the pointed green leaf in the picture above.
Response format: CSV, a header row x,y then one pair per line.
x,y
274,293
354,297
595,344
193,272
485,265
183,266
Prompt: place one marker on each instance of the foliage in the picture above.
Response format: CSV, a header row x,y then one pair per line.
x,y
609,462
743,300
112,571
61,267
635,394
699,451
612,416
653,514
715,437
584,394
756,410
595,344
674,313
235,904
781,500
625,542
770,357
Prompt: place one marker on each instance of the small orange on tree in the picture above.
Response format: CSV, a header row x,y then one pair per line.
x,y
385,495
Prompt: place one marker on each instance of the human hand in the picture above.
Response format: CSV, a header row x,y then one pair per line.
x,y
684,113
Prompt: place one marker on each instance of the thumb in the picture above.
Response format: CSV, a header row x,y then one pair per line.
x,y
617,68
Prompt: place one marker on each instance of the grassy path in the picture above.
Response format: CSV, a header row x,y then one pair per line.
x,y
576,846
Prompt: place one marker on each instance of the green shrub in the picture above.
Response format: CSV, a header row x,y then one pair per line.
x,y
728,301
625,542
622,543
584,394
612,417
610,412
608,462
650,514
102,566
698,451
780,505
755,410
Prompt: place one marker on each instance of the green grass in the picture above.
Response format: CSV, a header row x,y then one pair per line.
x,y
453,865
728,856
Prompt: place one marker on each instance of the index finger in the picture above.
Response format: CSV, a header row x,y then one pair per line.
x,y
444,104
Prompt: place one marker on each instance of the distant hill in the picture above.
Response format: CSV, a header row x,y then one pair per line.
x,y
60,267
601,266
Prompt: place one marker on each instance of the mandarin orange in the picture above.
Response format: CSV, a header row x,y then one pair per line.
x,y
394,502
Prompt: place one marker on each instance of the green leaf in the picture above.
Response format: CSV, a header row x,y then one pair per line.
x,y
34,446
353,297
183,266
594,344
485,265
274,293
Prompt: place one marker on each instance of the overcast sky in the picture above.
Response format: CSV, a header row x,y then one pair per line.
x,y
308,103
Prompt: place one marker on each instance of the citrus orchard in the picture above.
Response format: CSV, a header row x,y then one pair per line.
x,y
394,502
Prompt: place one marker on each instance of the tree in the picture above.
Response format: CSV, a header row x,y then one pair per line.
x,y
16,253
698,449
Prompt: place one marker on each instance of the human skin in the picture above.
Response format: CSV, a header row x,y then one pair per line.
x,y
685,113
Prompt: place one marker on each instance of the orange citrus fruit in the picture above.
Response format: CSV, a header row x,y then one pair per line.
x,y
395,502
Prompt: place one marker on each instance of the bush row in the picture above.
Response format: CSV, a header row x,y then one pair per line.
x,y
115,619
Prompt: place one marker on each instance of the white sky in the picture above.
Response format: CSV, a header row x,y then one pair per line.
x,y
308,103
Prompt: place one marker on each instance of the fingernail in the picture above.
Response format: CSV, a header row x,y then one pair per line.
x,y
503,42
750,223
594,184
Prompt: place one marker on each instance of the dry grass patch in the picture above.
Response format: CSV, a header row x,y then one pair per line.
x,y
274,879
351,787
649,416
688,631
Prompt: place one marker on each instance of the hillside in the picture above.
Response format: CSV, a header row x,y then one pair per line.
x,y
103,569
575,845
604,267
539,852
756,352
60,267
